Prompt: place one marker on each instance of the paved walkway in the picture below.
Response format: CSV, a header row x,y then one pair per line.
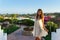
x,y
17,35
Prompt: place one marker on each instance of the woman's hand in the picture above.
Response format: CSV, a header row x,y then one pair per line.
x,y
46,30
44,25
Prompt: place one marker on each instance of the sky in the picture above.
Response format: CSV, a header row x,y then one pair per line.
x,y
29,6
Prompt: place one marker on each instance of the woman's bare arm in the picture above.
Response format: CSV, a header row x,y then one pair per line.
x,y
44,25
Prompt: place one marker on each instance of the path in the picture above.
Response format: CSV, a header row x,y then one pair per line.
x,y
17,35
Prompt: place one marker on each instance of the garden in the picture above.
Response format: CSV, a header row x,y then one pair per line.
x,y
51,26
8,25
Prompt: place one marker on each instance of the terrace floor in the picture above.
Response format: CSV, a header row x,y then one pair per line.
x,y
17,35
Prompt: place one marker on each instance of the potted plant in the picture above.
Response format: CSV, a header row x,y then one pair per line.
x,y
27,31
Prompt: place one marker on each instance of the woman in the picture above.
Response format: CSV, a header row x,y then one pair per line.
x,y
39,29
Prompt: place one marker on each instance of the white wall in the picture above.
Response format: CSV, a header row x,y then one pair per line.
x,y
55,35
3,36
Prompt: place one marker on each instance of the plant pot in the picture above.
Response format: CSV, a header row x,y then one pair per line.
x,y
27,32
28,29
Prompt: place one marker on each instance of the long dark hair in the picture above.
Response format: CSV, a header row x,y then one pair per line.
x,y
41,16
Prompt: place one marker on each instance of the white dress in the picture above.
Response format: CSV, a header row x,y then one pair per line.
x,y
38,30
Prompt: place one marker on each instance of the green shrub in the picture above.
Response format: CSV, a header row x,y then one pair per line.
x,y
9,20
48,37
51,26
10,29
1,19
27,22
17,21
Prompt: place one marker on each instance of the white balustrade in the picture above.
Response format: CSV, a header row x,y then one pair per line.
x,y
3,36
55,35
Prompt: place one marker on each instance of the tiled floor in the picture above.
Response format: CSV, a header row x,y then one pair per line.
x,y
17,35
